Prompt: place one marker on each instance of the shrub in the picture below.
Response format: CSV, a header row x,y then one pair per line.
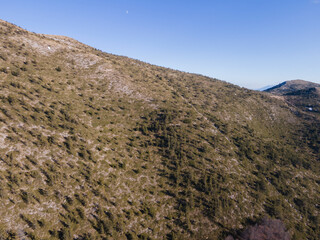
x,y
15,73
4,70
3,57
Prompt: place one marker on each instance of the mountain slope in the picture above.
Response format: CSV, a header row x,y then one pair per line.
x,y
98,145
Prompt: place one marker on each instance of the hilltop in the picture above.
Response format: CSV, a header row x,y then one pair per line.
x,y
291,86
94,145
302,94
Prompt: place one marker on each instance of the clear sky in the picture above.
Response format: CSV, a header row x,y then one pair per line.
x,y
251,43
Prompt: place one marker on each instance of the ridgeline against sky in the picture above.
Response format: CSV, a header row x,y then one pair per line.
x,y
249,43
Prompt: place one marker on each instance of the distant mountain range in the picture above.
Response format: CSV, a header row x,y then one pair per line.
x,y
99,146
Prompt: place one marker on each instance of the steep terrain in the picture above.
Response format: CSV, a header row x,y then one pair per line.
x,y
94,145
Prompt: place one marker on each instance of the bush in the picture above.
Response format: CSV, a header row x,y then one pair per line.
x,y
15,73
4,70
3,57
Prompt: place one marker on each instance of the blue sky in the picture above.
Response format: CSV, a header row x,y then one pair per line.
x,y
251,43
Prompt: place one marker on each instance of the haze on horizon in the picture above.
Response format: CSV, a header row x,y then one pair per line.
x,y
248,43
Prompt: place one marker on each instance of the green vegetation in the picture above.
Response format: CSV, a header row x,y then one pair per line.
x,y
98,146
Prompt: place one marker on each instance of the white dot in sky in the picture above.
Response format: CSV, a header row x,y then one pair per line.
x,y
127,12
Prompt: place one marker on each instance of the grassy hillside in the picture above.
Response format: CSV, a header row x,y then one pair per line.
x,y
94,145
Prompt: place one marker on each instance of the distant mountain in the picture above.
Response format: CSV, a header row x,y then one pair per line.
x,y
265,88
302,94
291,86
99,146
